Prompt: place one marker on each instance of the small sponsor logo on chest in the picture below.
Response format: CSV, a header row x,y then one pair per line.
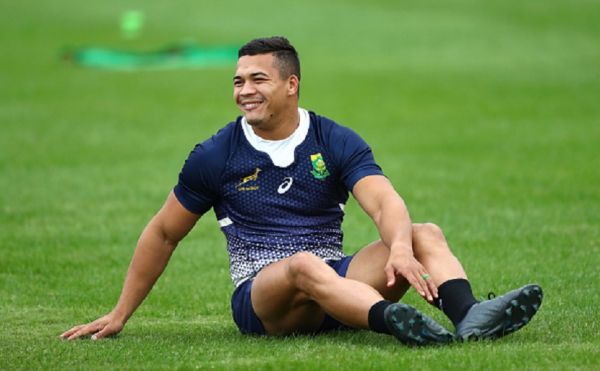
x,y
248,183
286,185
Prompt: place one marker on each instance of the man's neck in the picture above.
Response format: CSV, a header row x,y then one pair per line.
x,y
280,127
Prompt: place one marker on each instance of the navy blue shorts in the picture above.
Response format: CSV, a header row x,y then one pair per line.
x,y
248,322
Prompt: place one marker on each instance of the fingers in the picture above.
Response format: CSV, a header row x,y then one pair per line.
x,y
85,330
70,332
391,276
105,332
428,294
421,281
415,274
420,285
81,330
432,288
428,286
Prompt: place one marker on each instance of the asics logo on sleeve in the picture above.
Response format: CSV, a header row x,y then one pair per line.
x,y
287,183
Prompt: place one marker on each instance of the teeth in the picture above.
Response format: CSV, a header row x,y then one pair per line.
x,y
251,105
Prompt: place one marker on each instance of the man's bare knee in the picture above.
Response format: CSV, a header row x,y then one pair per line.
x,y
428,238
307,271
429,230
303,265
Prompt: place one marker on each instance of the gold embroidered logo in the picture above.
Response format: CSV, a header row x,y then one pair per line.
x,y
248,179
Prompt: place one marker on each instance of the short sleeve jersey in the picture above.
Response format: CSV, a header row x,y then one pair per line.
x,y
266,212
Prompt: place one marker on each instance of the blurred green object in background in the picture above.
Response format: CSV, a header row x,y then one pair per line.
x,y
132,22
170,57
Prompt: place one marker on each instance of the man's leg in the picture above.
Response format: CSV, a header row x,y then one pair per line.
x,y
489,319
473,320
430,249
367,266
294,294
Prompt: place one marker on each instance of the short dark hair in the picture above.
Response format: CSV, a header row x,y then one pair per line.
x,y
285,54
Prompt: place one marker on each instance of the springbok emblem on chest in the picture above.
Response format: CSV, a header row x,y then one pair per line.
x,y
250,178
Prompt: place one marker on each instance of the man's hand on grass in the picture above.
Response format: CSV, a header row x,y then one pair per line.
x,y
102,327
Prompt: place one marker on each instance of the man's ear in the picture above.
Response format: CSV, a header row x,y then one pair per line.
x,y
293,85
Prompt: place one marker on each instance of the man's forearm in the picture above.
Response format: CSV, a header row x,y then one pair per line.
x,y
154,248
149,260
394,225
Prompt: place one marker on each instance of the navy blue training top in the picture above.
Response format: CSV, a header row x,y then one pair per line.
x,y
267,212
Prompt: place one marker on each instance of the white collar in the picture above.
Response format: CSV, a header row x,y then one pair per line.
x,y
280,151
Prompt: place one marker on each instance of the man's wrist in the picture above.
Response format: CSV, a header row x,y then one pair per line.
x,y
119,316
401,249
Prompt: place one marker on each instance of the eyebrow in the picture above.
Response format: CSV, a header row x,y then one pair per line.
x,y
252,75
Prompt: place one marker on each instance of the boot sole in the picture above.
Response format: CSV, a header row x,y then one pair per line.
x,y
408,325
517,314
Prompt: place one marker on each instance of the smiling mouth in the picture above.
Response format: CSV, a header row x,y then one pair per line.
x,y
249,106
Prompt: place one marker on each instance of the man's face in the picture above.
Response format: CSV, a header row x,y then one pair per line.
x,y
258,89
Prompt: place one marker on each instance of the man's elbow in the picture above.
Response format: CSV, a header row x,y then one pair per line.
x,y
168,237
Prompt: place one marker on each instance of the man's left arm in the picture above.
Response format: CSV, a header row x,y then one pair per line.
x,y
383,204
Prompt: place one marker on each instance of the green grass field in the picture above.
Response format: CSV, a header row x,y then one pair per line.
x,y
485,115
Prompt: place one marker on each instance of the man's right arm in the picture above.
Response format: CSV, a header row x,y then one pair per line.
x,y
154,248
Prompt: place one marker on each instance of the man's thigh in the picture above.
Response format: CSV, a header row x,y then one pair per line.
x,y
280,305
368,266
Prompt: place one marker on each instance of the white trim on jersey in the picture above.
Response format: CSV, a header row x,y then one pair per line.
x,y
281,152
225,222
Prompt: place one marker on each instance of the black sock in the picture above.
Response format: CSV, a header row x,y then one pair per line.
x,y
455,298
376,319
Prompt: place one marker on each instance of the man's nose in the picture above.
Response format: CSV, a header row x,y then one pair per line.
x,y
248,89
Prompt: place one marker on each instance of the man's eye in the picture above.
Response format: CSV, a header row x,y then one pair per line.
x,y
237,83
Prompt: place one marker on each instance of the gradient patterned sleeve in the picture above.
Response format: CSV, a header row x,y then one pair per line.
x,y
353,155
198,188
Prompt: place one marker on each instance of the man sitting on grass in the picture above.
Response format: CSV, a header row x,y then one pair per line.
x,y
278,178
